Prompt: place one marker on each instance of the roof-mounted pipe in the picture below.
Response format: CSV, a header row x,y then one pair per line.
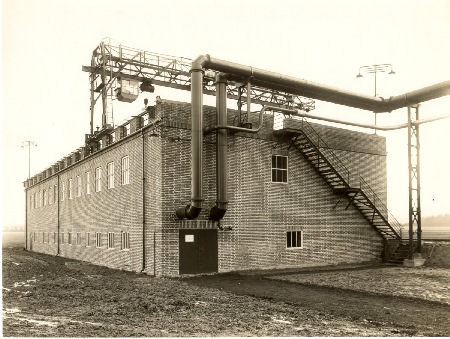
x,y
277,81
303,114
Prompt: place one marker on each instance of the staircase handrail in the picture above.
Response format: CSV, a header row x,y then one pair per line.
x,y
379,205
330,156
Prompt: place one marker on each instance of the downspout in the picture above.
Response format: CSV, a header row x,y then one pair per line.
x,y
143,201
57,218
26,216
218,211
192,210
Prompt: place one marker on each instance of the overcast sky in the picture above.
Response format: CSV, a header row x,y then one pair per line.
x,y
45,95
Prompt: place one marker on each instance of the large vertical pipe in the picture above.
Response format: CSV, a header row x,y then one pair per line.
x,y
193,210
218,211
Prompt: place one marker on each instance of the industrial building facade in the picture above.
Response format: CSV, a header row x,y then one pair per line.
x,y
113,203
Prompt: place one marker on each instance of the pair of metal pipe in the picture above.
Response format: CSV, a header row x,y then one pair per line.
x,y
287,84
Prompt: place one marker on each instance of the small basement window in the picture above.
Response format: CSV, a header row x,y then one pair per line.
x,y
279,168
110,239
294,239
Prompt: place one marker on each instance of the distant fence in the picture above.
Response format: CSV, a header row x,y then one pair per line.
x,y
436,235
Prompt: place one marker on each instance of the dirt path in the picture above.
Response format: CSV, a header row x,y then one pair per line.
x,y
58,297
361,306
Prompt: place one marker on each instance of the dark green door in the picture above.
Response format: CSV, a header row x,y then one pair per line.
x,y
198,251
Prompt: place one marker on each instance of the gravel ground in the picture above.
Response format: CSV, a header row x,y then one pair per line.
x,y
426,283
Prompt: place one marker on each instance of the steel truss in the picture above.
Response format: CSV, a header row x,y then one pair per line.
x,y
110,62
415,227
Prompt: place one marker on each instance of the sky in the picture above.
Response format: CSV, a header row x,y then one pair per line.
x,y
45,94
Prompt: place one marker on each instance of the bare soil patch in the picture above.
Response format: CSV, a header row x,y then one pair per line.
x,y
46,296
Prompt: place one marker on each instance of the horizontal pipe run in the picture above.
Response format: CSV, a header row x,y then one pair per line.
x,y
243,129
303,114
277,81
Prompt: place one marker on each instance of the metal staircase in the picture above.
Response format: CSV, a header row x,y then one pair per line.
x,y
339,178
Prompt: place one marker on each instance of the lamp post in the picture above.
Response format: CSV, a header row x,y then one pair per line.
x,y
28,144
380,68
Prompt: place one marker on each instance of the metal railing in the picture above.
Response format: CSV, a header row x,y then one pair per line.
x,y
323,149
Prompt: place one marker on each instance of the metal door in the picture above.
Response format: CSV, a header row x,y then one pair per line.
x,y
198,251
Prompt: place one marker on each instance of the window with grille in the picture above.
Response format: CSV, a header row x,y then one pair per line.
x,y
125,170
44,197
98,179
78,238
78,186
125,240
69,240
88,182
279,168
70,189
294,239
110,239
98,239
88,239
55,192
110,173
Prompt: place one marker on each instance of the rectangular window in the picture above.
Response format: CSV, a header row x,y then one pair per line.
x,y
294,239
43,237
98,239
110,173
44,197
70,189
78,238
125,240
100,144
62,237
50,195
55,237
78,186
125,170
48,237
63,190
98,179
88,182
113,138
69,240
279,168
55,192
88,239
110,239
35,200
31,201
127,129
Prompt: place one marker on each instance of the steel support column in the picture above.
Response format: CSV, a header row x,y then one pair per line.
x,y
414,180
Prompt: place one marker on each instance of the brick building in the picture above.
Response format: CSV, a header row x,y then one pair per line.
x,y
113,202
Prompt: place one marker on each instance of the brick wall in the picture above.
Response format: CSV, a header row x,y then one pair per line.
x,y
260,212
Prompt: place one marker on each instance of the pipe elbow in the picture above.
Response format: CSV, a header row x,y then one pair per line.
x,y
217,213
189,212
200,62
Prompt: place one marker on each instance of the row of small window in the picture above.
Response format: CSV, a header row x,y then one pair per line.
x,y
50,196
76,239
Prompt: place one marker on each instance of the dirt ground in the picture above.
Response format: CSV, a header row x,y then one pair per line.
x,y
46,296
